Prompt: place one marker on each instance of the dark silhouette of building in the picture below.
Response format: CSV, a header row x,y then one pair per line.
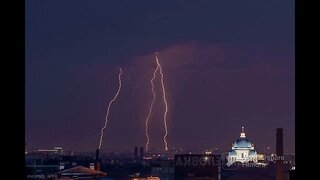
x,y
136,156
97,165
97,155
291,174
138,153
197,166
81,172
279,153
141,153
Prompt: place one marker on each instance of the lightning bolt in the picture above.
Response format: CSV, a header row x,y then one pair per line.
x,y
109,106
151,106
159,68
166,105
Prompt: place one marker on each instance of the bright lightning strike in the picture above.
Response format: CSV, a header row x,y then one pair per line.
x,y
151,106
108,110
166,105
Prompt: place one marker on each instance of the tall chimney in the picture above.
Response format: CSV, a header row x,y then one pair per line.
x,y
97,155
136,156
97,160
141,153
279,153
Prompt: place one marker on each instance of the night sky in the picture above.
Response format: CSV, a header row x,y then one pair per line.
x,y
226,64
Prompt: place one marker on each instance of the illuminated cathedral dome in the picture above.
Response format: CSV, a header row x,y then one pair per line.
x,y
242,142
242,150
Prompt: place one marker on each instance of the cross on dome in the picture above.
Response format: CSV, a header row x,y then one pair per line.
x,y
242,134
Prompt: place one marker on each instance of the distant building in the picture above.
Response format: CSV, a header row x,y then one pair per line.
x,y
141,153
197,166
207,152
80,172
163,169
55,150
242,150
136,153
291,174
261,157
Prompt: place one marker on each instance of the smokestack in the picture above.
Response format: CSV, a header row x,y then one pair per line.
x,y
97,160
280,157
97,155
136,153
141,153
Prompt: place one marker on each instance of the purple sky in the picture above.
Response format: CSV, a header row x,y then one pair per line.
x,y
226,65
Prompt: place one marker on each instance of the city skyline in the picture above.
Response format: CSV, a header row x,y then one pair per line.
x,y
223,69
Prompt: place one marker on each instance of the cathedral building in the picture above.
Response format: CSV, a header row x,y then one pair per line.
x,y
242,150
